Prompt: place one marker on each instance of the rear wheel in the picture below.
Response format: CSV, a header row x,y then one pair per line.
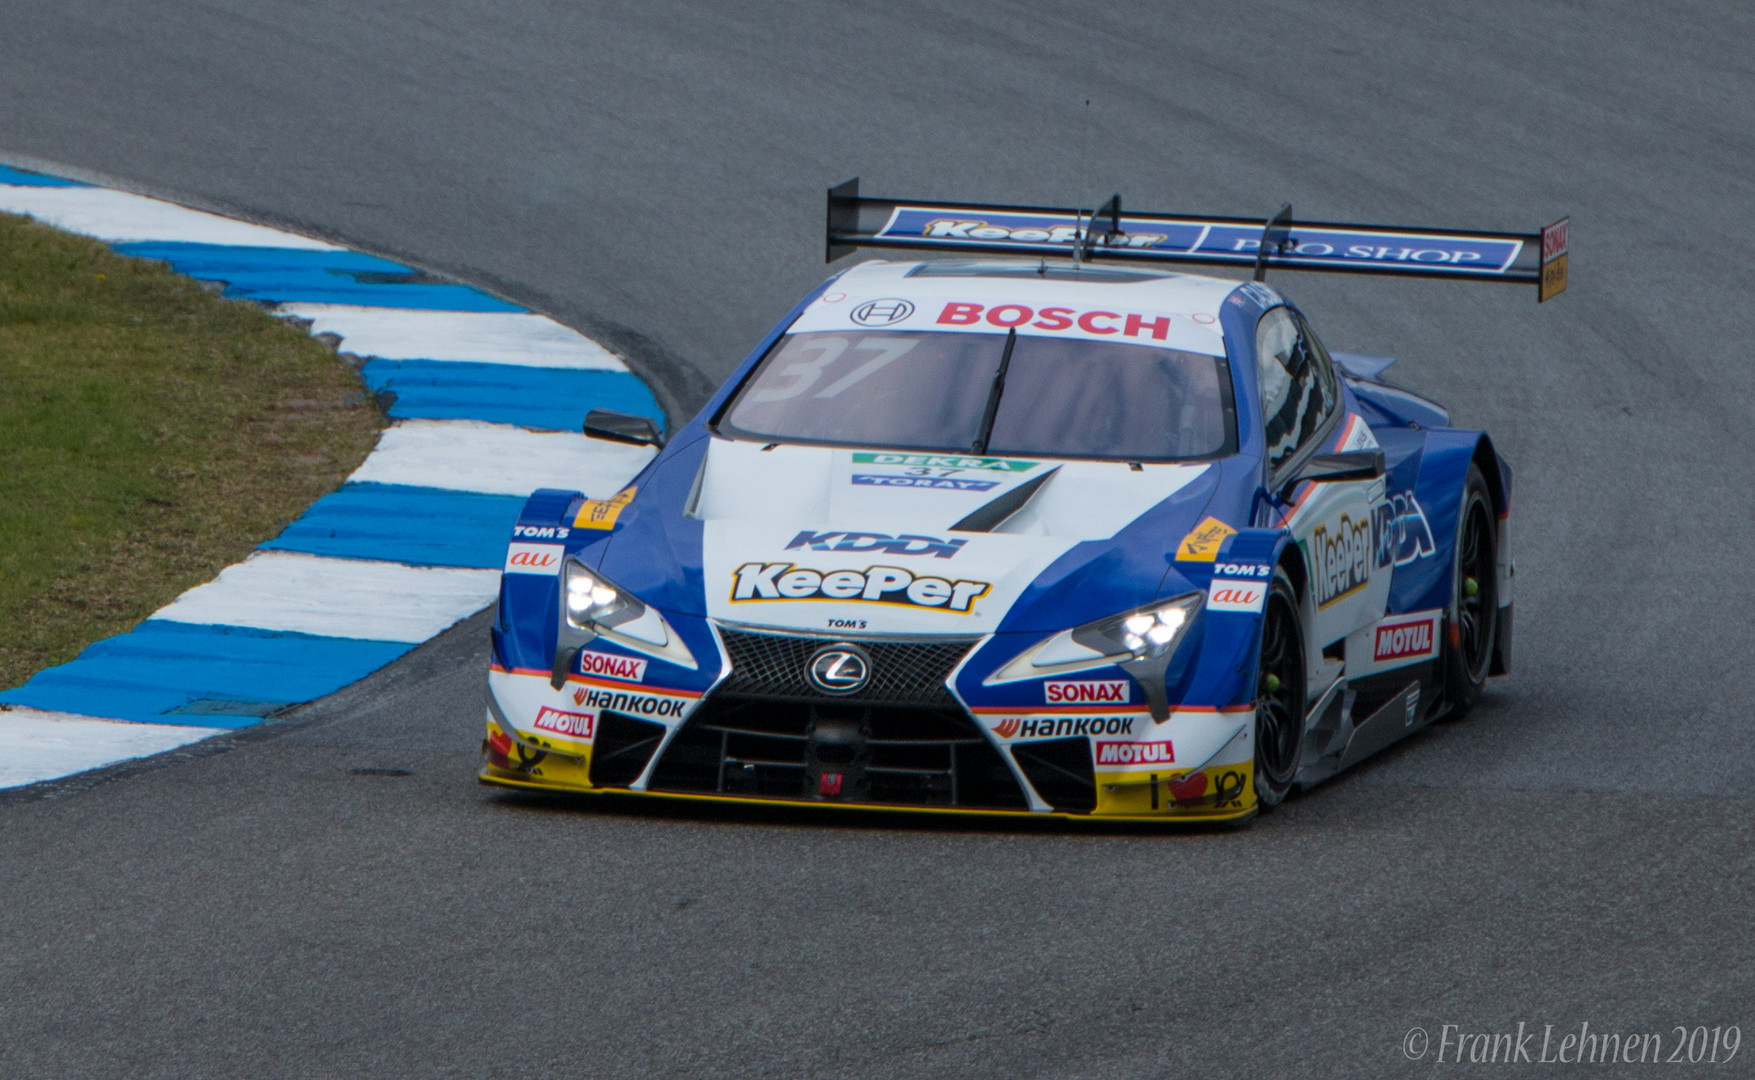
x,y
1279,695
1474,608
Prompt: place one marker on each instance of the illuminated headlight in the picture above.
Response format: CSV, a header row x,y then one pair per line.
x,y
590,599
1148,633
596,607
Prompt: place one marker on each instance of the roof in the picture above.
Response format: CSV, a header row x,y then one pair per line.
x,y
1097,303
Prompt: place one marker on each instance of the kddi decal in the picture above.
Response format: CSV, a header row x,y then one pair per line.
x,y
1343,559
876,585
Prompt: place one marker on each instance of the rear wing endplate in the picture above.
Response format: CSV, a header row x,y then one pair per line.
x,y
1278,243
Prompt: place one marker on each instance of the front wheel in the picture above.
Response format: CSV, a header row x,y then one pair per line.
x,y
1474,608
1279,695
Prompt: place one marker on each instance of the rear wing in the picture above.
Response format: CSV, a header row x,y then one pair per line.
x,y
1278,243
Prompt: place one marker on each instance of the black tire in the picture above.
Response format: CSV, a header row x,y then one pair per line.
x,y
1474,601
1279,695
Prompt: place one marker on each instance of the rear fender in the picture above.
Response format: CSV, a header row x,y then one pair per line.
x,y
1428,581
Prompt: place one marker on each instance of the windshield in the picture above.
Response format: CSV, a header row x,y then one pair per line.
x,y
1062,398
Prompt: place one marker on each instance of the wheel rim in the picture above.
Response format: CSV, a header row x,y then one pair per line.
x,y
1474,590
1279,686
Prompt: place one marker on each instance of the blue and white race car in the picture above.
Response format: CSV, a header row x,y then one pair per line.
x,y
1020,533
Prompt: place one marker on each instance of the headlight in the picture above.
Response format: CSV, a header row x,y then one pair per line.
x,y
590,599
593,606
1148,633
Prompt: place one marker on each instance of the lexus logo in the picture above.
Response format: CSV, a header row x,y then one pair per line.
x,y
841,668
882,312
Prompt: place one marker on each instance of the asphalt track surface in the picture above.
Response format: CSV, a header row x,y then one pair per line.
x,y
1578,851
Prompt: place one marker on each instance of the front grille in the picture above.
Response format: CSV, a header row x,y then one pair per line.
x,y
772,666
885,755
623,746
1060,771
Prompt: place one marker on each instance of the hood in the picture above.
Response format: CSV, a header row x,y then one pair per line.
x,y
826,539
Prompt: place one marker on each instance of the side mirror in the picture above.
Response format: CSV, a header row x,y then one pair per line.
x,y
612,426
1336,468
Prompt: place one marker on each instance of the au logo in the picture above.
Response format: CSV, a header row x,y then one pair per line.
x,y
1203,541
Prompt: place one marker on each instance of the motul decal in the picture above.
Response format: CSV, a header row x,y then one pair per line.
x,y
1405,639
1135,753
569,725
534,558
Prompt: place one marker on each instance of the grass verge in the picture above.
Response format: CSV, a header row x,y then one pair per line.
x,y
150,434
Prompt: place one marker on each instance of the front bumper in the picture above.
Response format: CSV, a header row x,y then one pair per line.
x,y
932,756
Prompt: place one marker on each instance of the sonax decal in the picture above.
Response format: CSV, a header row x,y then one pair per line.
x,y
534,558
1085,691
604,665
1203,541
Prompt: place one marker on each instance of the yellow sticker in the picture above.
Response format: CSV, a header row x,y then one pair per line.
x,y
1203,541
1553,281
601,513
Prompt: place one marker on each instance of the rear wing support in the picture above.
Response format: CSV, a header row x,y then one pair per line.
x,y
855,221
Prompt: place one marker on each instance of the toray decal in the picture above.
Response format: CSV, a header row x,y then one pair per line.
x,y
874,543
570,724
938,483
604,665
1406,638
1403,534
1342,559
534,558
874,585
1049,727
1085,691
1135,753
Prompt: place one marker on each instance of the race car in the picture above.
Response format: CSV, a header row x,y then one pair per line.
x,y
1039,528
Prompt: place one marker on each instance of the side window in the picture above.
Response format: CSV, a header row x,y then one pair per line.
x,y
1297,383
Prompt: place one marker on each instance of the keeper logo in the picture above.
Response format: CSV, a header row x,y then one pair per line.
x,y
874,585
1343,559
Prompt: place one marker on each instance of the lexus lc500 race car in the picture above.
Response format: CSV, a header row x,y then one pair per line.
x,y
1044,529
